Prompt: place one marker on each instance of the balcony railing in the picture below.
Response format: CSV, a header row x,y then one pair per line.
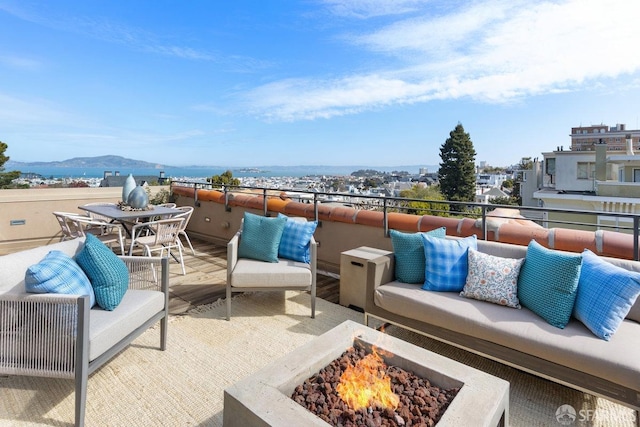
x,y
621,222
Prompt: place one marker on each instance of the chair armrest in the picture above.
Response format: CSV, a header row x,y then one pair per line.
x,y
313,255
380,270
232,251
143,275
41,334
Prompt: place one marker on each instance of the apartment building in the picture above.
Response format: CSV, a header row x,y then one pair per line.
x,y
601,172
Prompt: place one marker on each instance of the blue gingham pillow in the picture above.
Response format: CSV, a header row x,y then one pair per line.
x,y
296,239
58,273
446,262
408,251
605,295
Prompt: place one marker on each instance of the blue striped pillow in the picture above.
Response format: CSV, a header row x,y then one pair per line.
x,y
296,239
446,262
58,273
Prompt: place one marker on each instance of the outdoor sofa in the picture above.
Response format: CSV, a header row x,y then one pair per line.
x,y
60,335
573,355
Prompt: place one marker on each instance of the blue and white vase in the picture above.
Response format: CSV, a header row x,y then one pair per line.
x,y
138,198
127,188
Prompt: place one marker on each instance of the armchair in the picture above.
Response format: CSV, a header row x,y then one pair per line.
x,y
61,336
249,275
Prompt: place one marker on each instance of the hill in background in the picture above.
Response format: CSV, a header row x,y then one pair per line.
x,y
89,162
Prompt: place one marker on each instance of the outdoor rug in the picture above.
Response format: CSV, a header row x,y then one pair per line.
x,y
183,386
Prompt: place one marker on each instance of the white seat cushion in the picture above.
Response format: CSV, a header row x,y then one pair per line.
x,y
106,328
284,273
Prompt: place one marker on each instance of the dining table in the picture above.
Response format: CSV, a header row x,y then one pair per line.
x,y
128,217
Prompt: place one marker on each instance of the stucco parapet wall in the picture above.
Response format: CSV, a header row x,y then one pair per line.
x,y
510,227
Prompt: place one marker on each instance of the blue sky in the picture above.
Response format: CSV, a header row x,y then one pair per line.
x,y
311,82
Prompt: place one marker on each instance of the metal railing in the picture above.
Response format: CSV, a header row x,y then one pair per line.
x,y
446,208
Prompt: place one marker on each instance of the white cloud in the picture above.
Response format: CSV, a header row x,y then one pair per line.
x,y
492,51
372,8
20,63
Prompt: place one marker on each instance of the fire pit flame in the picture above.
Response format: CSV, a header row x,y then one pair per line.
x,y
367,384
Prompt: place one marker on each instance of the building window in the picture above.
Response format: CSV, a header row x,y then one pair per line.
x,y
586,170
551,166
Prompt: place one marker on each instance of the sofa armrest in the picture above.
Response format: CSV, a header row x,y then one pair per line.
x,y
380,270
143,272
41,334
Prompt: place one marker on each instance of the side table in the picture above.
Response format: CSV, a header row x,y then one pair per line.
x,y
353,275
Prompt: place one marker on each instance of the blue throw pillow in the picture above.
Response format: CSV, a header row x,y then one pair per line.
x,y
260,237
58,273
296,239
408,250
605,295
548,283
108,274
446,262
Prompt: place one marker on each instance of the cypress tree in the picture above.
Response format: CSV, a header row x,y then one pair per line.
x,y
457,173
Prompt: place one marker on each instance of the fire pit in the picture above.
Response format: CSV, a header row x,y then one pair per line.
x,y
264,398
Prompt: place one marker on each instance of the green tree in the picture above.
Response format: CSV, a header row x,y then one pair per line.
x,y
430,207
6,178
501,200
226,178
457,171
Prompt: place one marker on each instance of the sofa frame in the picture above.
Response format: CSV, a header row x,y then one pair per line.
x,y
381,270
55,342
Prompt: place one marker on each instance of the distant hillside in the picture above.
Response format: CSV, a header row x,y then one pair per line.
x,y
88,162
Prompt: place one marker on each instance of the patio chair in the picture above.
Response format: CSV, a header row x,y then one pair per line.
x,y
70,229
248,274
77,225
158,236
187,212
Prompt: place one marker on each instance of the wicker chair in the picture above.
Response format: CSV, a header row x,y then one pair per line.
x,y
61,336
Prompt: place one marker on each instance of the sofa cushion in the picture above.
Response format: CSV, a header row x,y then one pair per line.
x,y
493,279
106,328
260,237
58,273
108,274
548,283
296,239
522,330
284,273
605,295
409,254
446,263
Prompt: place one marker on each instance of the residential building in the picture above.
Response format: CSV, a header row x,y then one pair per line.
x,y
595,175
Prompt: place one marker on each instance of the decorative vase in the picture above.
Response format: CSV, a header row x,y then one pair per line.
x,y
129,185
138,198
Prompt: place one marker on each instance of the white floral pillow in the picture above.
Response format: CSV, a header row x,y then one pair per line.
x,y
492,278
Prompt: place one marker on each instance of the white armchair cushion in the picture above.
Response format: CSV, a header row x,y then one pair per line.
x,y
284,273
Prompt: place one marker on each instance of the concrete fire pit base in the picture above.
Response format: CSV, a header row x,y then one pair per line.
x,y
264,398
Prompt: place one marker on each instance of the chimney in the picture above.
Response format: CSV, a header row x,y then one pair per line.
x,y
601,160
629,144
